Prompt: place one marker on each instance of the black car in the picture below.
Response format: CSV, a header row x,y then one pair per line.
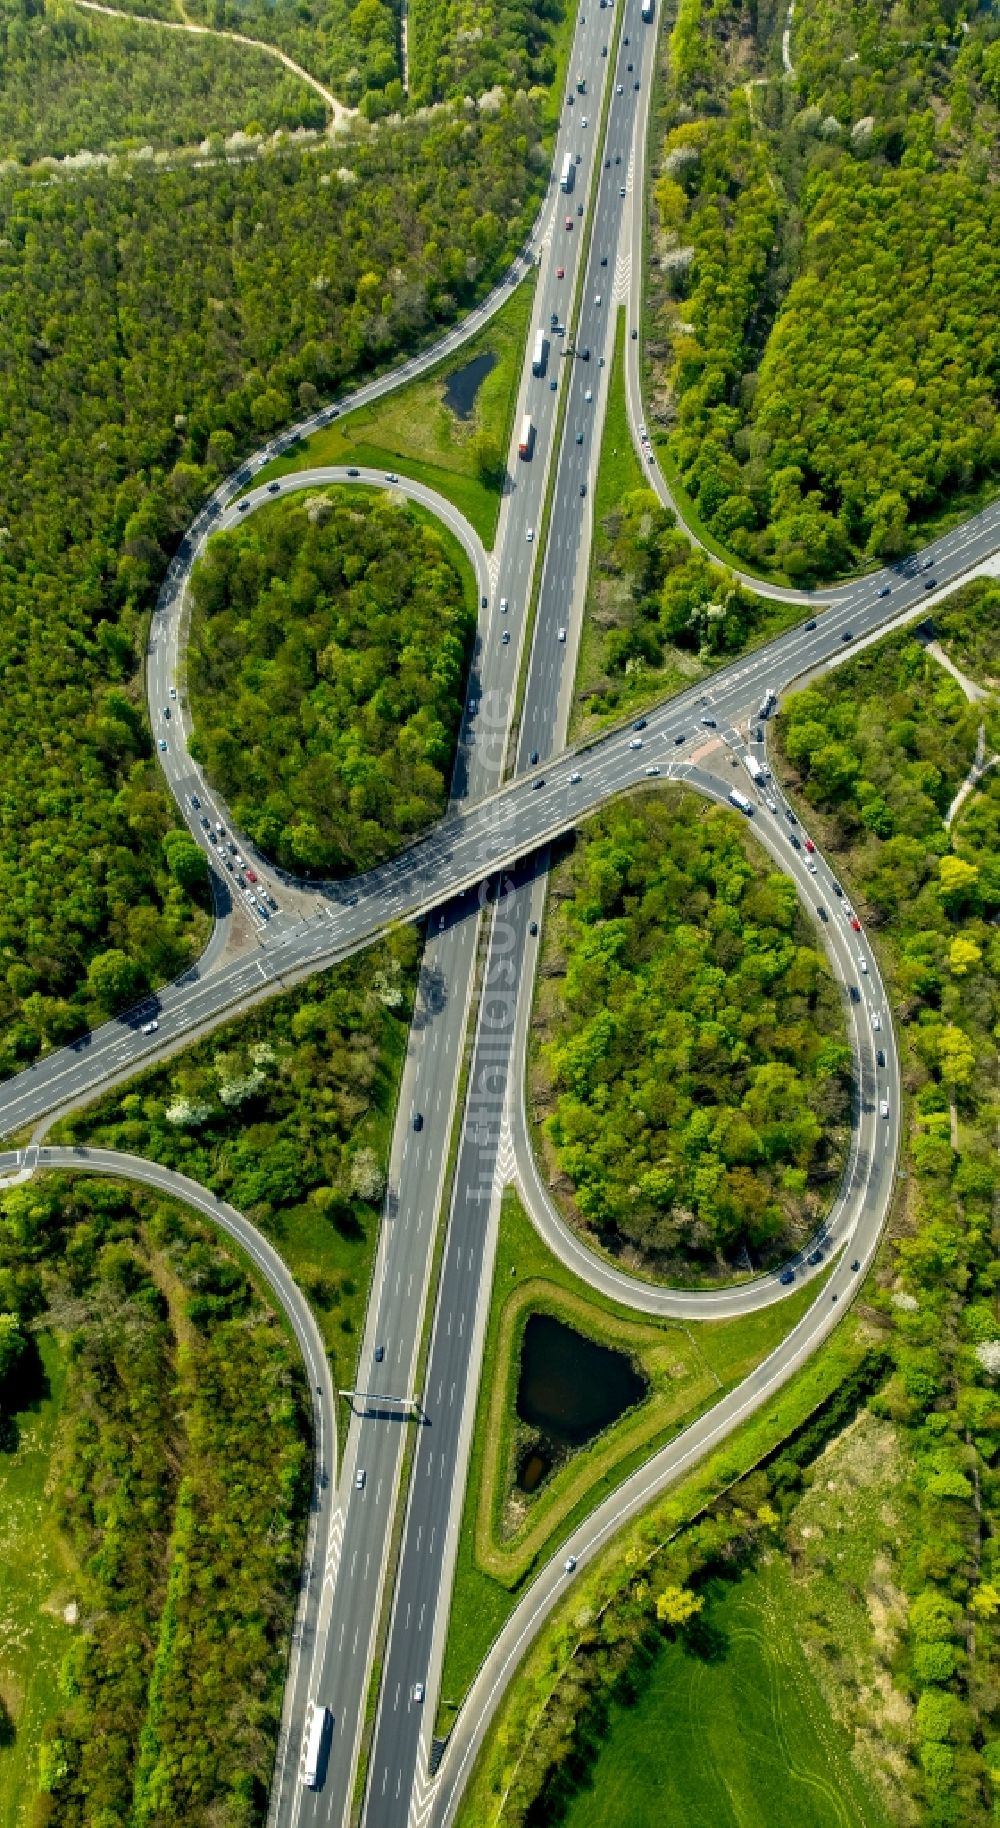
x,y
930,583
759,733
539,781
709,723
583,488
821,911
242,507
855,993
811,625
604,260
533,928
880,1056
787,1276
379,1354
886,590
205,825
838,891
814,1257
680,738
793,840
847,635
418,1120
585,353
353,472
482,602
196,803
856,1265
640,724
533,757
273,487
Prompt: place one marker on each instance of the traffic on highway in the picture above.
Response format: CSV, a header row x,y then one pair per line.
x,y
382,1543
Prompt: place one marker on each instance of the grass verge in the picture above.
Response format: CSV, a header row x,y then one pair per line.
x,y
37,1586
687,1367
674,1756
412,430
637,1545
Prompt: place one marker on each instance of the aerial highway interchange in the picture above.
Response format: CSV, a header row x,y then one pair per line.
x,y
380,1553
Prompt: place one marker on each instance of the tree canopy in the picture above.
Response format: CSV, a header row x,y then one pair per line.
x,y
135,364
326,669
694,1067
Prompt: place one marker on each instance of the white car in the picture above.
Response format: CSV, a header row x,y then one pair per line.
x,y
562,634
569,1564
418,1691
173,691
390,476
811,867
876,1021
883,1109
575,778
772,805
150,1028
359,1479
636,742
652,771
530,534
863,965
597,298
503,606
589,395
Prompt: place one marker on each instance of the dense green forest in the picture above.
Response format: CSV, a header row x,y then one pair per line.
x,y
933,899
889,1542
693,1068
73,81
823,340
182,1469
455,49
135,363
326,669
352,48
287,1112
462,47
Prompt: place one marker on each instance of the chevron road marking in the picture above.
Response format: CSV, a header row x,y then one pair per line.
x,y
334,1548
421,1796
505,1170
623,277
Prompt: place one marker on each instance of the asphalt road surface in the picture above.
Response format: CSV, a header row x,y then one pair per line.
x,y
492,832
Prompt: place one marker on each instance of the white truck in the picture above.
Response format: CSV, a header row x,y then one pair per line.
x,y
768,703
539,353
526,439
568,178
647,10
754,768
740,799
315,1746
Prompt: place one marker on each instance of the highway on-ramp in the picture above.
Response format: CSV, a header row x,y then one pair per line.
x,y
494,831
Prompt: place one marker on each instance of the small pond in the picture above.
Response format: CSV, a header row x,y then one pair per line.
x,y
461,388
570,1387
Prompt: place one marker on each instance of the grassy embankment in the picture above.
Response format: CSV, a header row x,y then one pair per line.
x,y
413,431
744,1725
687,1367
38,1583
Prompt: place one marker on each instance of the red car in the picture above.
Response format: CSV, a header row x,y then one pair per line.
x,y
569,222
810,846
251,876
855,923
560,272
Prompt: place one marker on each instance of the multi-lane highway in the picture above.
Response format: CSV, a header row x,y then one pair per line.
x,y
585,245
